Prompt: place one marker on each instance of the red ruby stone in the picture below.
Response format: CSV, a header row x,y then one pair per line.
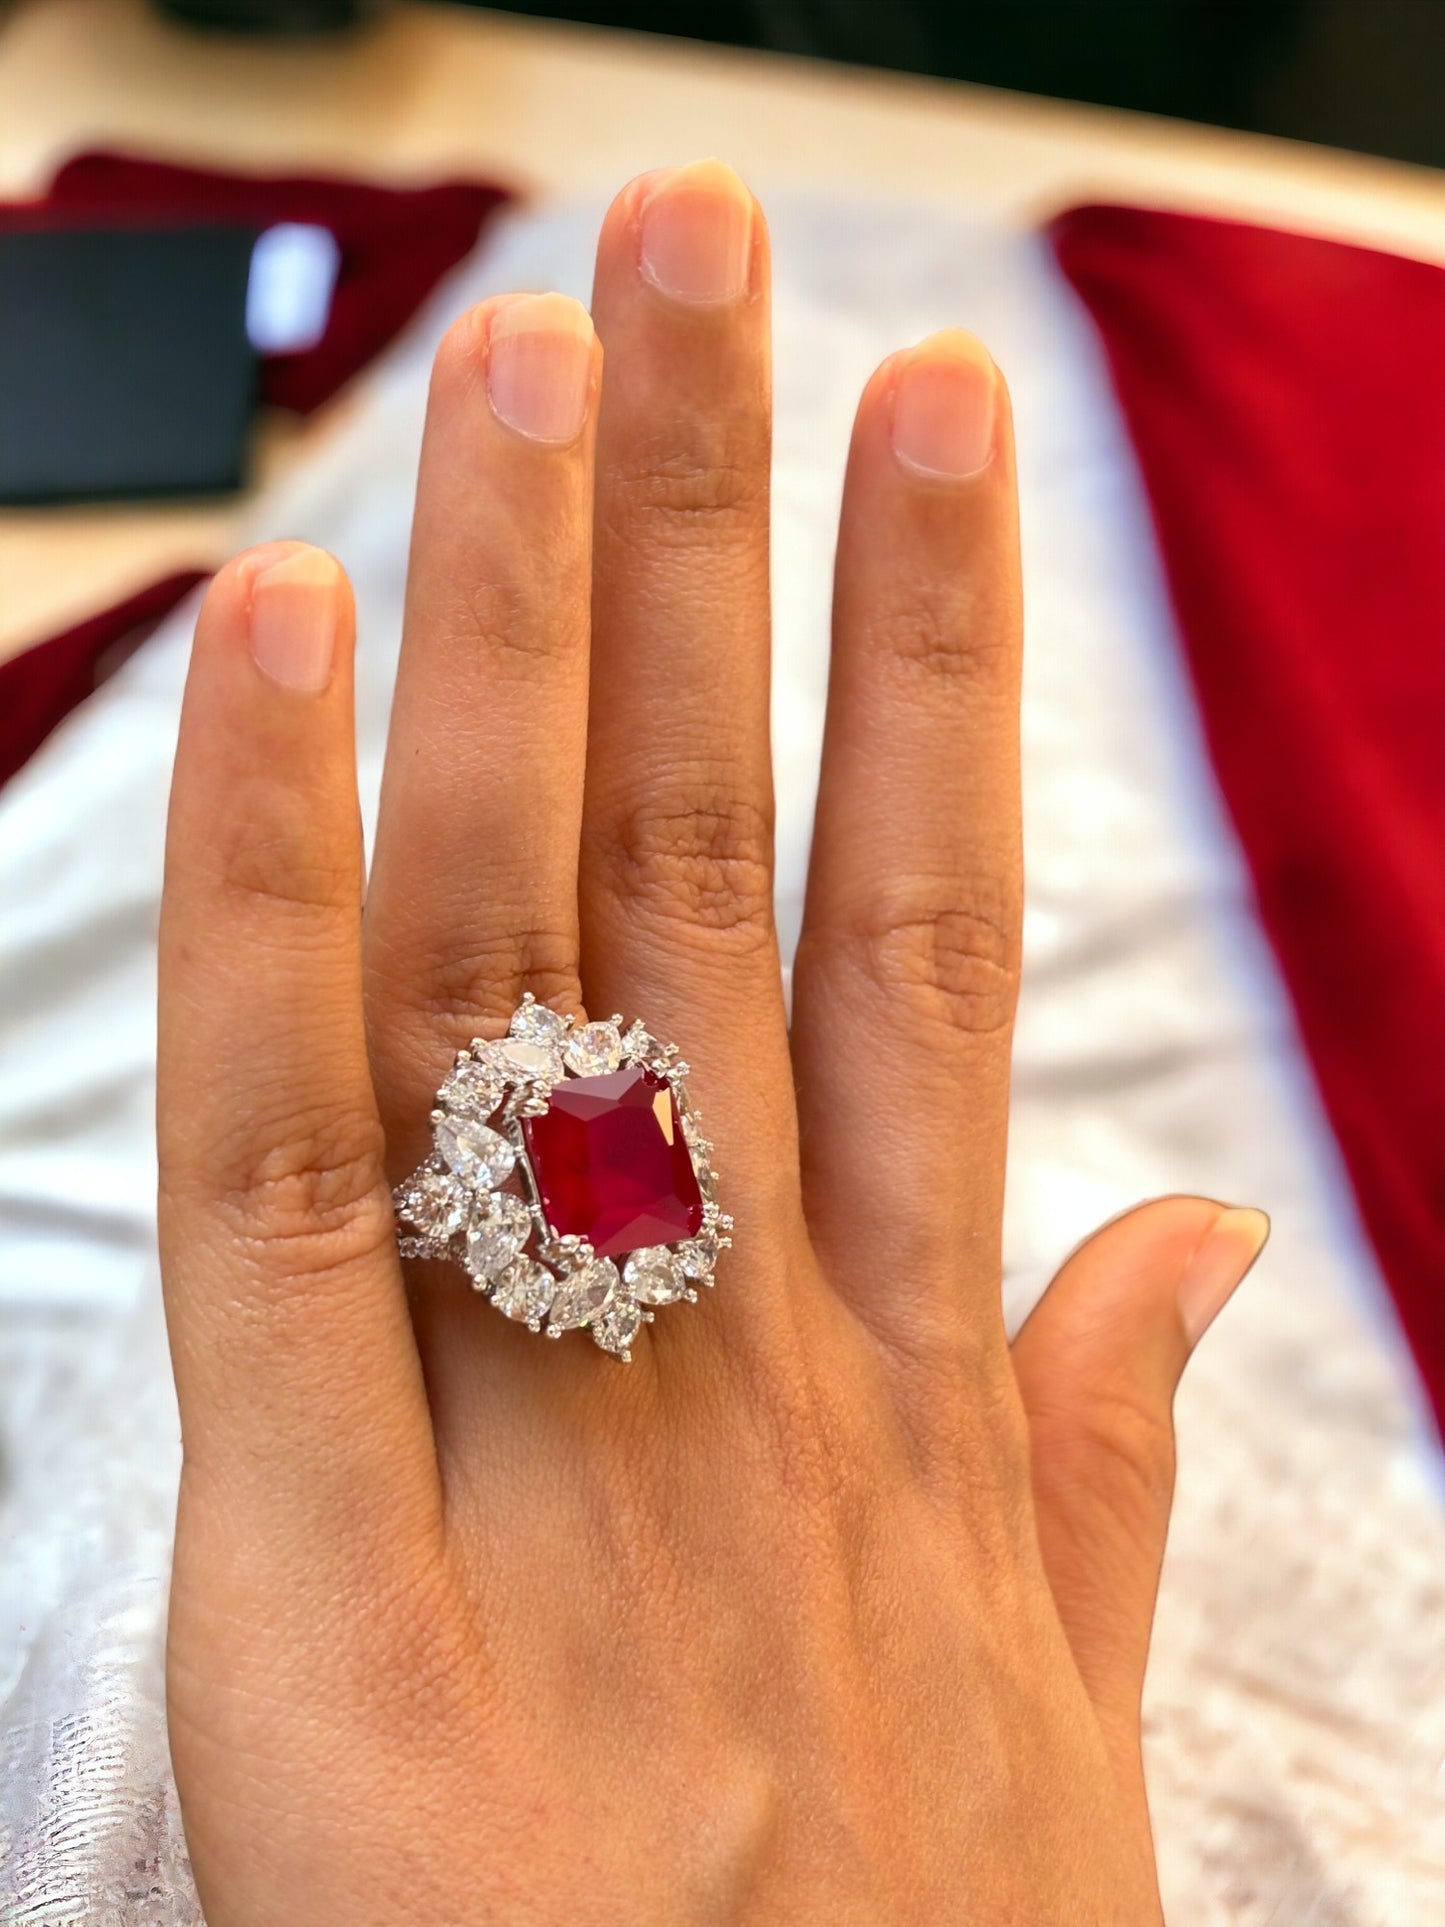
x,y
612,1164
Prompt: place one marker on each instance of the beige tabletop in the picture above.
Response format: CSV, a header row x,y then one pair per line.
x,y
428,91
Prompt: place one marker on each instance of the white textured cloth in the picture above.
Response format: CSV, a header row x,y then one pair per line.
x,y
1296,1711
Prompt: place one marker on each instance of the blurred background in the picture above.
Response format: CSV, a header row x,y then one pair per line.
x,y
904,98
1206,243
1352,73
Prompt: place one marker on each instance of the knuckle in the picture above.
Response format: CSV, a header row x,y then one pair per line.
x,y
972,1435
271,858
700,858
411,1666
493,620
951,949
965,629
1119,1444
307,1199
532,617
675,488
459,985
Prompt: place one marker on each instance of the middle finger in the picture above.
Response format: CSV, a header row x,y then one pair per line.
x,y
676,881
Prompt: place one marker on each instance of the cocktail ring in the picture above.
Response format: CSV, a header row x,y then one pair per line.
x,y
569,1178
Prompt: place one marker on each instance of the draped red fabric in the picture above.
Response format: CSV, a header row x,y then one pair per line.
x,y
40,687
1286,400
396,244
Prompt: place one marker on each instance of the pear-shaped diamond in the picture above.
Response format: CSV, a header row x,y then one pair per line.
x,y
582,1295
524,1290
698,1256
615,1328
495,1239
475,1152
593,1050
654,1277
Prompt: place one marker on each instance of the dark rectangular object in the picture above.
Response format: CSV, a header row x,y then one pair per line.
x,y
124,364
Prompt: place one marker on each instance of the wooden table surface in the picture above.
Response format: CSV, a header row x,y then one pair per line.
x,y
427,91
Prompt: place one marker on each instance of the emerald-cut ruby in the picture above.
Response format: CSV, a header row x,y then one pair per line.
x,y
612,1165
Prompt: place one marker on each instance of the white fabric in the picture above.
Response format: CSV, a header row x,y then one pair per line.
x,y
1296,1720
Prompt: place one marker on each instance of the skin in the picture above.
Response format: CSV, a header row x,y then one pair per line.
x,y
831,1607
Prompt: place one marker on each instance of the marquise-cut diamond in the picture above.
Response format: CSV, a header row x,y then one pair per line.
x,y
537,1024
699,1255
521,1059
654,1277
494,1240
475,1152
435,1205
593,1050
615,1328
524,1290
582,1295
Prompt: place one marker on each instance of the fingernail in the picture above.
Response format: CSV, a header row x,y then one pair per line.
x,y
944,404
697,231
1218,1266
539,367
295,614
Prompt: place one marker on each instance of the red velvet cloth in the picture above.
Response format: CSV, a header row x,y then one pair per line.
x,y
396,244
1287,407
40,687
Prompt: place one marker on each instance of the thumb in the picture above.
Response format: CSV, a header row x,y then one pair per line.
x,y
1098,1363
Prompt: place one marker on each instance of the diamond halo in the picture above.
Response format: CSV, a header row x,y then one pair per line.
x,y
569,1178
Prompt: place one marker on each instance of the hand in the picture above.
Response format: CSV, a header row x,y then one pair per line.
x,y
827,1608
